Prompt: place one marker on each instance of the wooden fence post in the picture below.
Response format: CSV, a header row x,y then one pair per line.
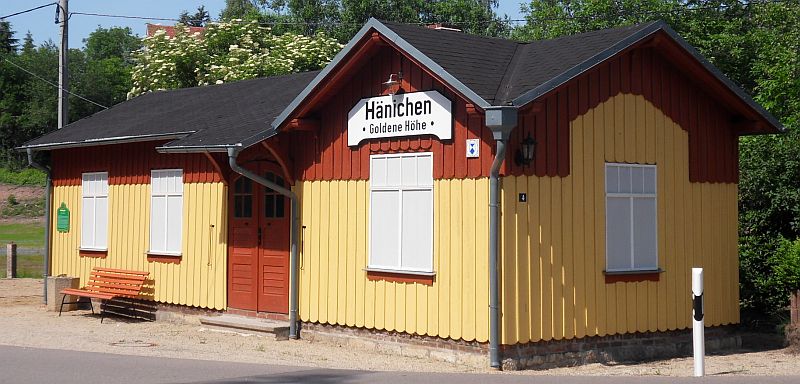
x,y
794,309
11,260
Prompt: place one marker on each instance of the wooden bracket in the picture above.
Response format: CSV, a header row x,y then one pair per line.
x,y
287,174
217,167
311,125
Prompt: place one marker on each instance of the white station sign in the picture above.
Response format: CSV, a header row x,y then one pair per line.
x,y
407,114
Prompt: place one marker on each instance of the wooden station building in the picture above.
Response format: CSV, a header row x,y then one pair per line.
x,y
615,156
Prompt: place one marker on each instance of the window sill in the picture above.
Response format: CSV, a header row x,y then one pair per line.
x,y
90,252
163,257
399,276
633,275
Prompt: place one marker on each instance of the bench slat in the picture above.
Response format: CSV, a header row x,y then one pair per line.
x,y
112,284
84,293
106,275
125,271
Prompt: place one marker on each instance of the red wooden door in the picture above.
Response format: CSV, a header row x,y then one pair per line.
x,y
258,260
274,250
243,240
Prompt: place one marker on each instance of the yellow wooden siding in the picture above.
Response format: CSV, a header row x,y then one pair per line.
x,y
334,288
198,280
553,246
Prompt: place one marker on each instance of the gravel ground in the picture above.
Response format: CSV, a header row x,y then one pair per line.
x,y
26,323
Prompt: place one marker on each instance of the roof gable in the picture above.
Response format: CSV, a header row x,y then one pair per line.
x,y
491,71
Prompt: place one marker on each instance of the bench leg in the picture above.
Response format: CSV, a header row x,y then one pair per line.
x,y
101,311
91,306
62,305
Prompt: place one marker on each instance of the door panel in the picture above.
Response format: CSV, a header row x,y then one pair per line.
x,y
243,254
274,251
258,262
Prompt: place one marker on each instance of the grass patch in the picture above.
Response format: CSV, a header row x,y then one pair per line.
x,y
27,266
27,176
25,235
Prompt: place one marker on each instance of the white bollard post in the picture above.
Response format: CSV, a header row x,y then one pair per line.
x,y
698,323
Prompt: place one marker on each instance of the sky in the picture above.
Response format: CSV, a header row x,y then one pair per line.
x,y
41,22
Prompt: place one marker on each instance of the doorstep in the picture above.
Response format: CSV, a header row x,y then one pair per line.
x,y
279,329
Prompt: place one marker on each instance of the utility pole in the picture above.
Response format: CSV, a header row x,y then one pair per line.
x,y
63,70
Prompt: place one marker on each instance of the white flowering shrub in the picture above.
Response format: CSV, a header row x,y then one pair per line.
x,y
226,52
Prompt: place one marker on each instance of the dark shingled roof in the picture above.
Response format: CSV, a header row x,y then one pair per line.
x,y
214,115
500,70
478,62
487,71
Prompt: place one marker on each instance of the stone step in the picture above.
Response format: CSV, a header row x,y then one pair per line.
x,y
279,329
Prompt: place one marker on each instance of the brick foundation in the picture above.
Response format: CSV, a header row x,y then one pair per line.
x,y
540,355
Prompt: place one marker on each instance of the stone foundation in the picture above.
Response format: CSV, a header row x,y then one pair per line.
x,y
540,355
176,313
615,348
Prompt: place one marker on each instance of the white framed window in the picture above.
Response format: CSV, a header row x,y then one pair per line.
x,y
166,211
401,212
94,211
631,221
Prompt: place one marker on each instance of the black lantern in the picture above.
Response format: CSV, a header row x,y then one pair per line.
x,y
526,151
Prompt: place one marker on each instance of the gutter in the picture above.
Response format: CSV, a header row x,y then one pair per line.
x,y
233,152
48,213
107,140
501,120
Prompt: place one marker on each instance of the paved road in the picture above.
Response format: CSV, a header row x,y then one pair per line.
x,y
31,365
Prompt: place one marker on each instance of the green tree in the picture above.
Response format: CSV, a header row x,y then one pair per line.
x,y
8,43
547,19
114,42
100,72
239,9
199,19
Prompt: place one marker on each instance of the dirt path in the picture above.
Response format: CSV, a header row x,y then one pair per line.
x,y
26,323
23,195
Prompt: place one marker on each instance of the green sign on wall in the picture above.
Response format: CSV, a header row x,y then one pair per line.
x,y
62,218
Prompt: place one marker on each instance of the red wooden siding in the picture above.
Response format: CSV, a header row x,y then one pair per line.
x,y
324,154
713,144
128,164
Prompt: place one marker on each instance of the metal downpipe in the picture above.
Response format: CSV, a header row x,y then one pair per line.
x,y
295,224
494,289
48,211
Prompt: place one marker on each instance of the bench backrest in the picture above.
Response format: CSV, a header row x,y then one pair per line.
x,y
118,282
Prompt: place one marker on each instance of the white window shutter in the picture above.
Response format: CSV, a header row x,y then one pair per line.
x,y
401,212
631,217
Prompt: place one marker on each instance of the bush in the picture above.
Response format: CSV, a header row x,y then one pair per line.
x,y
769,268
28,176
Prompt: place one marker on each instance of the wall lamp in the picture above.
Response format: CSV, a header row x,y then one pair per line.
x,y
526,152
393,84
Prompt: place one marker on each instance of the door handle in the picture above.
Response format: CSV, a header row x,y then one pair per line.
x,y
259,235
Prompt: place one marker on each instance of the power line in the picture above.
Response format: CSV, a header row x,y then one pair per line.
x,y
676,11
122,16
27,10
53,84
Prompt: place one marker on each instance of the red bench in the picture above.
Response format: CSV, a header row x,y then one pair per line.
x,y
107,284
